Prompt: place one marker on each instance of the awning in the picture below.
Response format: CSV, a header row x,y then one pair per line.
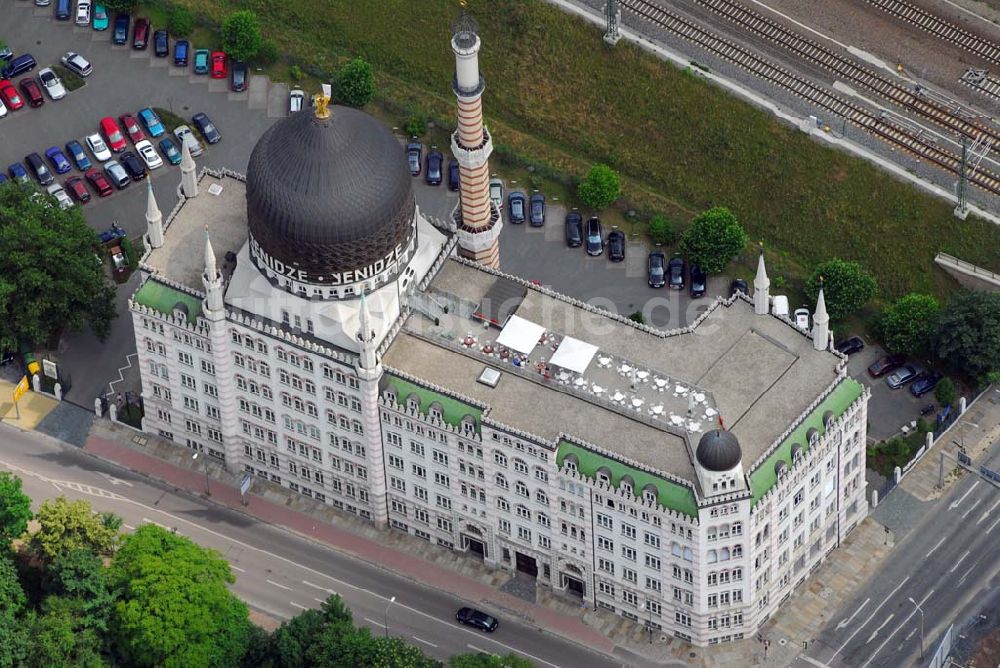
x,y
500,301
573,354
520,334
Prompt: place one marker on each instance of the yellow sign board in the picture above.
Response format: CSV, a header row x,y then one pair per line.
x,y
21,388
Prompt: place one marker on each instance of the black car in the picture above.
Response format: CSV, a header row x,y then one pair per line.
x,y
206,128
516,202
133,165
739,285
414,150
574,229
675,273
120,34
595,237
435,163
851,345
925,383
477,619
616,246
537,210
238,76
699,282
161,44
38,168
654,269
454,175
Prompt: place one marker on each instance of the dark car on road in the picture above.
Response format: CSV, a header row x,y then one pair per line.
x,y
537,210
516,202
675,273
435,163
655,265
120,33
238,76
181,50
414,151
851,345
574,229
884,365
140,34
161,44
37,166
595,237
454,175
903,375
477,619
206,128
699,282
616,246
133,165
78,155
739,285
926,383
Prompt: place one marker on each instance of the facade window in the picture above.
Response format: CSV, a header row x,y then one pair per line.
x,y
606,565
652,562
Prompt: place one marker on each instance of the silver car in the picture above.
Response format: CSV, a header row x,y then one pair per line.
x,y
117,174
496,192
185,136
59,193
52,84
77,63
903,375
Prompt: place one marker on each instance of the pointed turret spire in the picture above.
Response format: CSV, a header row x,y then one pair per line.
x,y
761,287
821,321
211,279
367,360
189,180
154,219
210,269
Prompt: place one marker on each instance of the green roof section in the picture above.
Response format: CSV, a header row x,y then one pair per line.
x,y
670,494
163,298
837,402
453,410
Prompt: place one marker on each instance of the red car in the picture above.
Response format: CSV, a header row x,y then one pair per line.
x,y
140,34
219,65
10,95
113,134
99,181
78,189
31,91
131,126
886,364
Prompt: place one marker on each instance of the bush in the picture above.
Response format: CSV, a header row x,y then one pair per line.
x,y
241,35
600,187
945,392
268,53
296,73
907,324
637,317
714,238
661,230
846,287
355,84
180,22
416,126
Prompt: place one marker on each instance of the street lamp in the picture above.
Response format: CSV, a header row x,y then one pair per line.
x,y
391,601
208,490
921,611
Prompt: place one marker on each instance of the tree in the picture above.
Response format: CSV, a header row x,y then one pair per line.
x,y
268,53
661,230
714,238
967,335
241,36
66,525
60,638
13,635
80,575
600,187
483,660
173,607
945,392
180,21
908,323
355,83
49,281
15,508
846,286
121,5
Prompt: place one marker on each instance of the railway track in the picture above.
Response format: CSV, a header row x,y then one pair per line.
x,y
982,81
873,122
945,30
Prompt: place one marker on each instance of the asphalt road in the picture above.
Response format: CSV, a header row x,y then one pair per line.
x,y
942,564
276,572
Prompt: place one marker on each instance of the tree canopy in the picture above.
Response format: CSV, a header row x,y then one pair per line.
x,y
714,238
600,187
355,83
121,5
967,335
180,21
241,36
846,286
483,660
661,230
13,638
907,323
15,508
49,280
66,525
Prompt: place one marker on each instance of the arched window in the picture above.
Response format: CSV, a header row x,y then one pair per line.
x,y
541,498
520,466
712,557
675,550
413,402
724,554
501,481
649,493
604,475
688,554
521,488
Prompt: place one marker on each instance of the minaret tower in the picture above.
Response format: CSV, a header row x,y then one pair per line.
x,y
369,371
821,321
761,287
154,219
189,179
476,218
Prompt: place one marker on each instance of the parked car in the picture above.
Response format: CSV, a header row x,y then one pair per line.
x,y
181,49
52,84
414,151
206,128
10,95
97,146
218,65
133,165
18,66
152,122
5,53
132,127
59,193
595,237
117,174
119,263
18,173
78,189
120,33
926,383
537,210
99,182
903,375
64,9
295,99
82,12
113,134
185,136
851,345
3,109
100,13
574,229
201,61
32,92
802,319
655,269
38,168
884,365
78,155
75,62
140,34
699,282
238,76
477,619
616,246
675,272
150,158
739,285
170,150
516,203
454,175
43,3
161,44
58,159
779,306
434,165
496,192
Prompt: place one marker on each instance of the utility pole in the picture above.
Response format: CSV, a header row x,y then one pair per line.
x,y
962,208
612,16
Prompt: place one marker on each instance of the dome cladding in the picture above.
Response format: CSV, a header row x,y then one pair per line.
x,y
718,450
329,196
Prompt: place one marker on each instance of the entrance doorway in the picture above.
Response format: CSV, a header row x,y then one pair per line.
x,y
474,546
526,564
573,585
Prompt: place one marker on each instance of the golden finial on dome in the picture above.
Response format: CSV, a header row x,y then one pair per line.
x,y
322,103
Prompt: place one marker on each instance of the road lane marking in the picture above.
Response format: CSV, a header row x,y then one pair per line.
x,y
957,502
858,630
904,623
372,621
128,526
935,547
809,659
853,615
149,521
316,586
875,632
115,481
960,559
987,513
426,642
237,568
994,525
318,600
971,508
480,649
296,605
278,584
908,636
969,570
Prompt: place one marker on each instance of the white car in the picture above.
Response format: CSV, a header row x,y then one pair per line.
x,y
496,192
59,193
52,84
83,12
802,319
3,109
149,154
97,146
185,136
295,99
77,63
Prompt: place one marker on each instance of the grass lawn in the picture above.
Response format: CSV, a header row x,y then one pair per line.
x,y
558,98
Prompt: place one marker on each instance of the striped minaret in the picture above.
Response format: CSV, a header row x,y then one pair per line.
x,y
476,218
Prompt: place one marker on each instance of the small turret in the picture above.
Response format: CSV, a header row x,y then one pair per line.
x,y
154,219
821,322
189,179
761,287
211,279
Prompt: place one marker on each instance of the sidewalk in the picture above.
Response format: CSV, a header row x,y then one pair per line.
x,y
33,407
